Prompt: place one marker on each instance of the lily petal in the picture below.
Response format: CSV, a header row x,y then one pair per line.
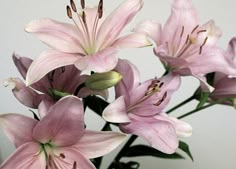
x,y
27,156
18,128
151,29
47,62
116,21
182,128
102,61
231,49
63,125
22,64
60,36
213,59
24,94
95,144
159,134
116,112
134,40
130,73
73,157
183,14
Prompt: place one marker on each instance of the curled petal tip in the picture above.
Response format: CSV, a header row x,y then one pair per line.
x,y
9,82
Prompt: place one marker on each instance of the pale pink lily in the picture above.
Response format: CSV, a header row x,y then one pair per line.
x,y
185,46
59,140
65,80
225,84
90,44
138,108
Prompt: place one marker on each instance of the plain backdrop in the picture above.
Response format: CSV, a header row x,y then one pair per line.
x,y
214,137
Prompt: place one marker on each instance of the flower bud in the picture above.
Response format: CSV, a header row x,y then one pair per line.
x,y
101,81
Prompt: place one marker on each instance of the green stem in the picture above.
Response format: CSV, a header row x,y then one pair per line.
x,y
181,104
203,107
126,146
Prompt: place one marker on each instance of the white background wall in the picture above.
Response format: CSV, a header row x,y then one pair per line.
x,y
213,141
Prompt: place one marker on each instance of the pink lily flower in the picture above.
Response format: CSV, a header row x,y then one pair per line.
x,y
90,44
59,140
225,86
138,108
185,46
32,96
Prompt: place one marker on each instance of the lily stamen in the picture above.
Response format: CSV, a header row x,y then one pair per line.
x,y
204,42
194,29
74,165
73,6
82,3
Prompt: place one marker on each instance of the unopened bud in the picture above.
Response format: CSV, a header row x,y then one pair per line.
x,y
101,81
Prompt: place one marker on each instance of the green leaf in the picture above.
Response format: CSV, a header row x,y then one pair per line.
x,y
128,165
35,116
144,150
203,99
185,148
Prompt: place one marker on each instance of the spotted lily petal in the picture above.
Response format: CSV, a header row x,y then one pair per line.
x,y
63,125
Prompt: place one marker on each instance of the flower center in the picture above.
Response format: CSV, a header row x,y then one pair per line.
x,y
56,161
152,93
189,45
86,32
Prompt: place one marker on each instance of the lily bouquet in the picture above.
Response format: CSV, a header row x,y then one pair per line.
x,y
81,64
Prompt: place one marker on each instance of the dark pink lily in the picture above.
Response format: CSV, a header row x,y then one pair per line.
x,y
90,43
138,108
185,46
59,140
65,80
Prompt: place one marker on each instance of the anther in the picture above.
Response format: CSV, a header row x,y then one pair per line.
x,y
51,76
63,69
82,3
187,40
62,156
161,84
74,165
194,29
182,32
73,6
204,42
158,103
69,13
84,17
201,31
100,9
164,96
